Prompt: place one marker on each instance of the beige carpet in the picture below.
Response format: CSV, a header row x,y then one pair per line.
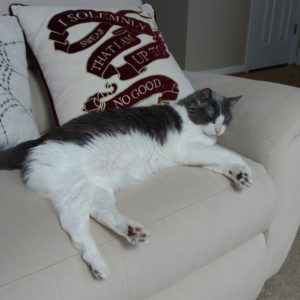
x,y
285,285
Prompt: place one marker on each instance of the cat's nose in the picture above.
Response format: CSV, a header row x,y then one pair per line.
x,y
217,130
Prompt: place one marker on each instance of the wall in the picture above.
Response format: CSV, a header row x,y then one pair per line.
x,y
296,44
216,33
201,34
172,22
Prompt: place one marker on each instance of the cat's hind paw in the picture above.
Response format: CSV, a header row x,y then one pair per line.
x,y
241,176
100,272
137,235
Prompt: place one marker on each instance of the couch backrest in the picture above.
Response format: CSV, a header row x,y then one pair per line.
x,y
40,101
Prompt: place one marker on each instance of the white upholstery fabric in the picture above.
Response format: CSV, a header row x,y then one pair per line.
x,y
234,276
207,240
40,102
194,217
266,128
16,120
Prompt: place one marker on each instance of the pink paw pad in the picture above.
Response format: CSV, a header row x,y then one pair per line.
x,y
137,235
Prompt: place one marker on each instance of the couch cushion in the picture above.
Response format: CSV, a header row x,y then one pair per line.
x,y
17,123
97,59
238,275
194,217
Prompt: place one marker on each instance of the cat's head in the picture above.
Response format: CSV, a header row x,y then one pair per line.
x,y
210,110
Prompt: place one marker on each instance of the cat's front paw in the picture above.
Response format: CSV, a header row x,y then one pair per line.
x,y
241,176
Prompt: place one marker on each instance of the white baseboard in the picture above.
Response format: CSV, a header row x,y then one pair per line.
x,y
228,70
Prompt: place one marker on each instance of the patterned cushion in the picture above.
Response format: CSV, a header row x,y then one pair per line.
x,y
96,59
16,121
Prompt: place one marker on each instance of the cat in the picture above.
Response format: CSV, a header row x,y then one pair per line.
x,y
80,165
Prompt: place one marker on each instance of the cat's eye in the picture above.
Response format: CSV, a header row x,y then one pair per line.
x,y
209,110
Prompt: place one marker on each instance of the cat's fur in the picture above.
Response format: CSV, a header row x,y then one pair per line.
x,y
80,165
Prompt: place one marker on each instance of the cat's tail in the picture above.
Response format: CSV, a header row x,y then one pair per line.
x,y
12,158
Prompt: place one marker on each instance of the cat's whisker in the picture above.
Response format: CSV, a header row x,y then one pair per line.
x,y
227,134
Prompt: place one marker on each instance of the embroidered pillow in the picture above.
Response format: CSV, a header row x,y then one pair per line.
x,y
94,59
16,121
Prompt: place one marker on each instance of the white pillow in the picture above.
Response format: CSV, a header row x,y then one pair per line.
x,y
16,120
95,59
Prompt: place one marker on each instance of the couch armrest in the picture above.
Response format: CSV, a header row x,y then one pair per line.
x,y
265,121
266,128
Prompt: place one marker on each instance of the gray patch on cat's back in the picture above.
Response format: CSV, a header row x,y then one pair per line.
x,y
154,121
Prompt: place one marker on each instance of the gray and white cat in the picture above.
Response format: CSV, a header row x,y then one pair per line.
x,y
80,165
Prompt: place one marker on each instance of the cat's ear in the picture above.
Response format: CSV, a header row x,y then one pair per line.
x,y
198,97
204,94
233,100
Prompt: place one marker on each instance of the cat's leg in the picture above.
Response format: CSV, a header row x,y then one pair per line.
x,y
73,207
53,171
105,212
217,159
78,229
